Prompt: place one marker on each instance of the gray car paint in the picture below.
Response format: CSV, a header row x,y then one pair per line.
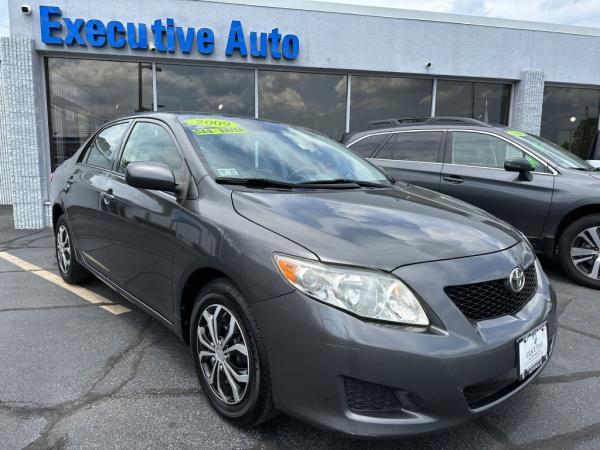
x,y
213,230
540,208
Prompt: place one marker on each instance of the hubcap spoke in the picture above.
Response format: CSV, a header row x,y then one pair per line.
x,y
241,377
585,252
235,390
224,360
595,269
63,249
237,348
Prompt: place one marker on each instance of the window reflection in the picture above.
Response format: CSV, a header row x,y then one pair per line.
x,y
205,89
84,94
316,101
377,98
488,102
570,118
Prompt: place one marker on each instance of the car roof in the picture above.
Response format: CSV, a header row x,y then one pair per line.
x,y
432,123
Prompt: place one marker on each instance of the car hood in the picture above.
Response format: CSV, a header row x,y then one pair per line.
x,y
378,228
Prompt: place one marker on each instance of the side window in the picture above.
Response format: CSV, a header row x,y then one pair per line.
x,y
478,149
366,146
150,142
104,147
421,146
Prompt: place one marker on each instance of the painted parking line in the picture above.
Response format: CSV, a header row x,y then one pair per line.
x,y
80,291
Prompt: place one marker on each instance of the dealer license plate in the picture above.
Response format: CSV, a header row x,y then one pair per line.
x,y
533,350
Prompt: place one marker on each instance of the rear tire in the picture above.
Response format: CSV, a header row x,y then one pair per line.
x,y
231,359
68,266
579,251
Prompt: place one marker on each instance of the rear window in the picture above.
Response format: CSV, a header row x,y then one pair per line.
x,y
367,146
421,146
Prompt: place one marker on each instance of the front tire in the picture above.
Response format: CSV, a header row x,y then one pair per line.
x,y
230,358
579,251
68,266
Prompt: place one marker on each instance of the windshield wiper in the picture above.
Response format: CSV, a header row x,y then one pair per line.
x,y
256,182
342,181
265,183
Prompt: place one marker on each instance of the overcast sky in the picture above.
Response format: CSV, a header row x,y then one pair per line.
x,y
568,12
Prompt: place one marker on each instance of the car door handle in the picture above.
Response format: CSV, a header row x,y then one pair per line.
x,y
107,196
454,179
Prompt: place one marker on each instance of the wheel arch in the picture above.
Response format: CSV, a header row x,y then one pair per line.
x,y
573,215
57,211
194,282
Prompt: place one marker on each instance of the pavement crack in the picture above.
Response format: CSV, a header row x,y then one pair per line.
x,y
495,433
583,333
563,305
568,378
162,392
565,440
50,436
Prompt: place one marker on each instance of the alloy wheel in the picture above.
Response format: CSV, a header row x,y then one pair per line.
x,y
223,354
585,252
63,249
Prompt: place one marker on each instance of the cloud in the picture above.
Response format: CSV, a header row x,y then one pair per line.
x,y
4,30
567,12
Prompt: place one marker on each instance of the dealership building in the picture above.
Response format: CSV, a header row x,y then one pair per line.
x,y
69,66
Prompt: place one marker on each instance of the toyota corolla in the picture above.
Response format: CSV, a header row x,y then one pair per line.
x,y
304,279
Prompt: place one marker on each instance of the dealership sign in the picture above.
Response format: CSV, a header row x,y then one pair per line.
x,y
166,37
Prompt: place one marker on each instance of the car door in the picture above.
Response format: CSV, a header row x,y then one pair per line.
x,y
414,156
474,172
142,222
81,196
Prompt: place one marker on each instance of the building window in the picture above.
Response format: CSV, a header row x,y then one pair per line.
x,y
313,100
84,94
488,102
206,89
570,118
378,98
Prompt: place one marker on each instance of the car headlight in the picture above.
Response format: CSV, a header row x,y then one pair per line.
x,y
366,293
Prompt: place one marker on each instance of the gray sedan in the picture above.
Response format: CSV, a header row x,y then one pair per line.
x,y
302,277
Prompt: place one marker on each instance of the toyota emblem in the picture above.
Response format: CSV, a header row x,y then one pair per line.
x,y
516,280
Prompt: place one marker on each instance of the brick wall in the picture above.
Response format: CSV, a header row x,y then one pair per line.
x,y
528,100
21,114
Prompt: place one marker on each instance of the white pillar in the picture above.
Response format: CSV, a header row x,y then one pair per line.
x,y
528,101
22,123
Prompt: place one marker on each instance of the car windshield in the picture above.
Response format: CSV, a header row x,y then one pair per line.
x,y
237,148
551,152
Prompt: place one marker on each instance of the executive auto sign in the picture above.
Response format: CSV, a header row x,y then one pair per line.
x,y
165,36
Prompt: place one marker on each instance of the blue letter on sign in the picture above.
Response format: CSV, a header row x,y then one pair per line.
x,y
47,25
290,46
116,34
236,39
74,32
96,33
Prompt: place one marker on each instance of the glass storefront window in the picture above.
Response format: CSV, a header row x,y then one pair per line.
x,y
378,98
83,94
488,102
570,118
313,100
205,89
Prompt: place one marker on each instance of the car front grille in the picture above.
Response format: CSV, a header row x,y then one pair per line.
x,y
490,299
364,397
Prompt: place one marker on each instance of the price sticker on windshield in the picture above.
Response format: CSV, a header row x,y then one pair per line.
x,y
209,126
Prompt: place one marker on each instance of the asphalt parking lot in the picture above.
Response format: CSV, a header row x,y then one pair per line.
x,y
87,369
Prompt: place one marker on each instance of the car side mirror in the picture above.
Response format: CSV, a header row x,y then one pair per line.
x,y
521,165
150,175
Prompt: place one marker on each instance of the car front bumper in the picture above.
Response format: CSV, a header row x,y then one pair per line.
x,y
337,371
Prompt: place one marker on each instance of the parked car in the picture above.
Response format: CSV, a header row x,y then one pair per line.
x,y
302,277
549,194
